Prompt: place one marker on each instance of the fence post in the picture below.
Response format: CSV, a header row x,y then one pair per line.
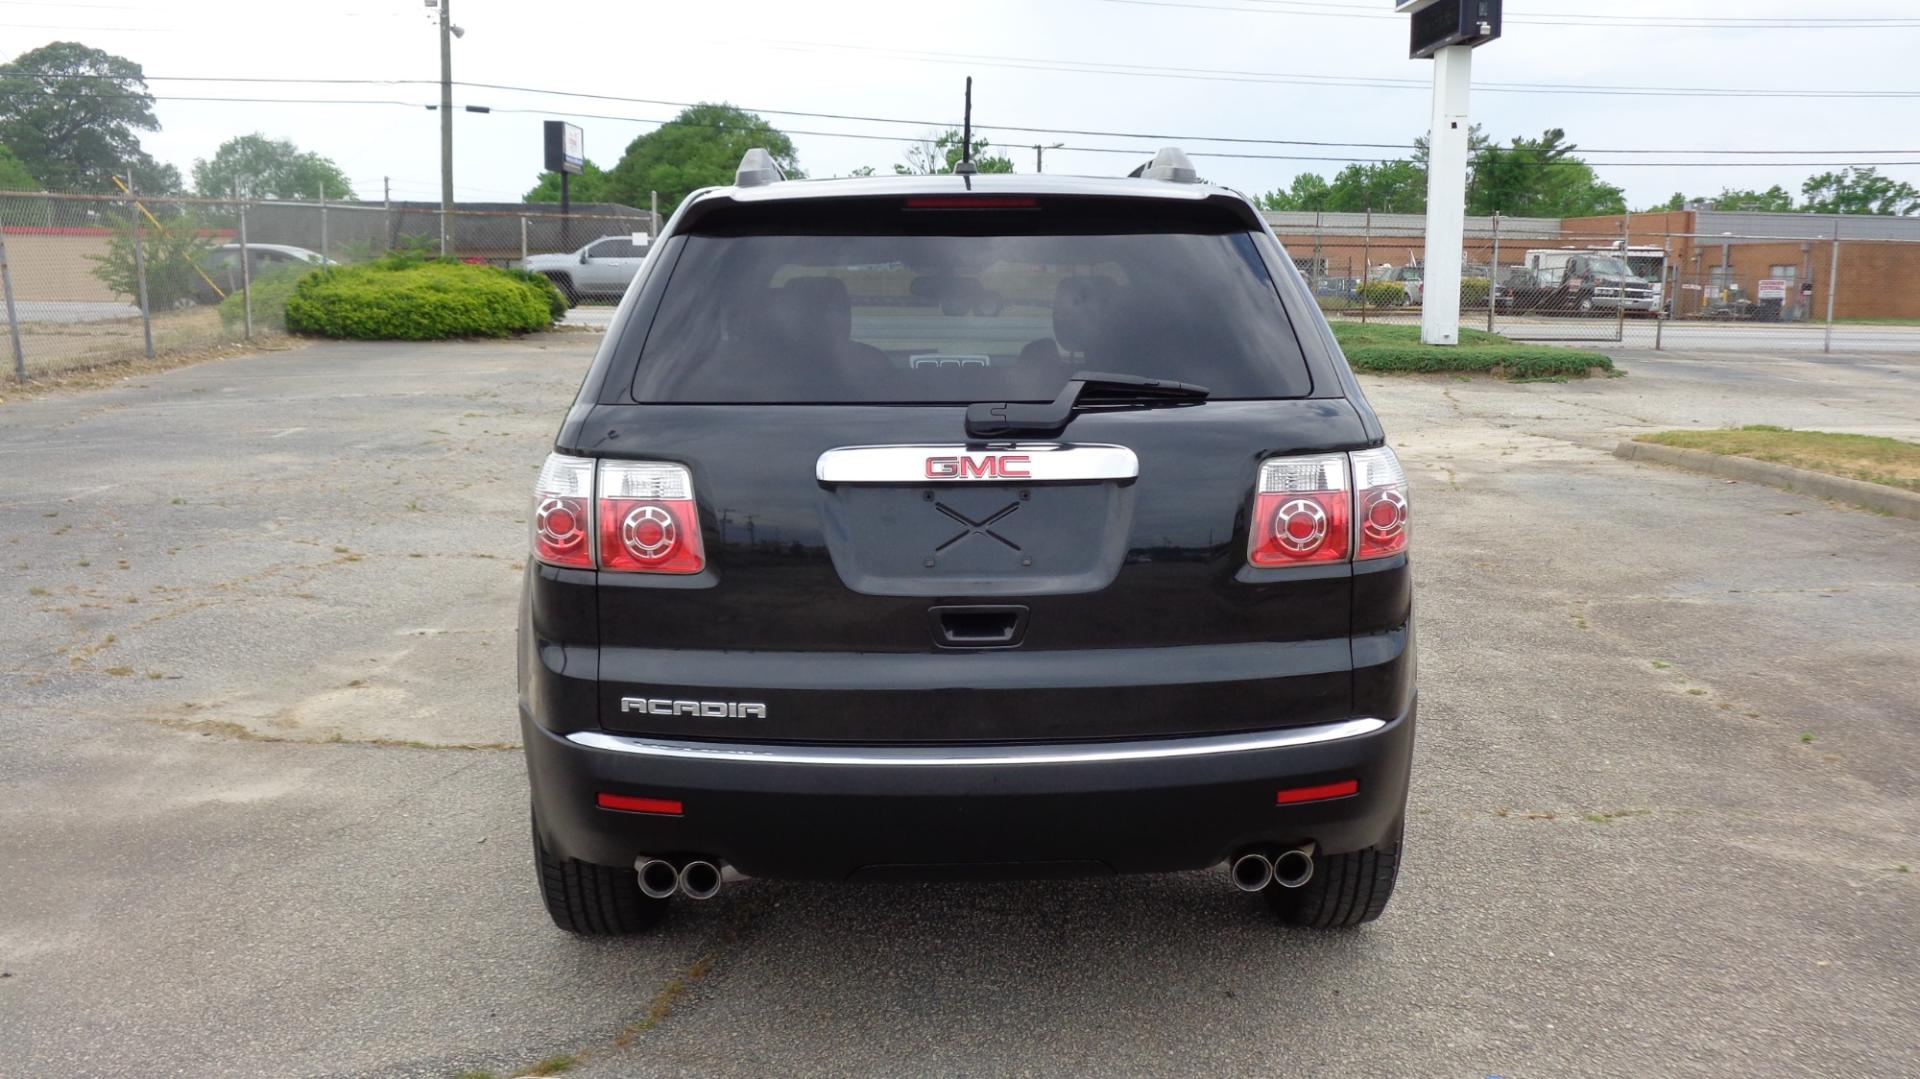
x,y
1833,283
323,219
653,214
1626,241
1493,274
246,270
13,316
523,238
1670,292
443,232
140,266
1366,264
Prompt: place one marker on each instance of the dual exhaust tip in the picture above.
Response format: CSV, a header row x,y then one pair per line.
x,y
698,879
1291,868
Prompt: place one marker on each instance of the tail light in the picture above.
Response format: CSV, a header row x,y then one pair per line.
x,y
648,521
623,516
1300,512
563,512
1306,510
1380,493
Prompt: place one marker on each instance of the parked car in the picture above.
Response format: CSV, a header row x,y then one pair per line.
x,y
829,581
601,269
222,266
1522,290
1594,283
1411,278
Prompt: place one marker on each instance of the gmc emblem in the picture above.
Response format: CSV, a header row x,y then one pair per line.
x,y
986,466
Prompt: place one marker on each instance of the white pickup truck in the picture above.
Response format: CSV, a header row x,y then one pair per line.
x,y
601,270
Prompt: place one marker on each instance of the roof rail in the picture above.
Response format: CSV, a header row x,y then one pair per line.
x,y
757,167
1170,164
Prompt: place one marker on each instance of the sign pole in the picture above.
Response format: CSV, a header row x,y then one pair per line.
x,y
1446,195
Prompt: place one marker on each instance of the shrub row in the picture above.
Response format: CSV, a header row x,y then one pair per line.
x,y
1509,361
407,299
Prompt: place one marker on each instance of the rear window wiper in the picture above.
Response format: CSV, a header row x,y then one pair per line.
x,y
1087,391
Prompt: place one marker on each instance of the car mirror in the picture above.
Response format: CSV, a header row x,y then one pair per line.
x,y
583,258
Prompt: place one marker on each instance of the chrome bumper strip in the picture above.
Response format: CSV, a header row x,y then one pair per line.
x,y
992,756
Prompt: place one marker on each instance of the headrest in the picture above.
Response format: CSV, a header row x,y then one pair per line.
x,y
1082,308
815,308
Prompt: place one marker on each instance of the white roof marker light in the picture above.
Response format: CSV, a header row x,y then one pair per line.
x,y
757,168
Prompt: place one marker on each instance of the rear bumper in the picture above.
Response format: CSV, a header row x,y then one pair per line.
x,y
835,812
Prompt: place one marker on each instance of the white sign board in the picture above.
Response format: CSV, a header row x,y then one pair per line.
x,y
1773,289
575,145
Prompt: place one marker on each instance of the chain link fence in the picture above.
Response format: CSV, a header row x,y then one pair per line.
x,y
91,280
99,279
1657,281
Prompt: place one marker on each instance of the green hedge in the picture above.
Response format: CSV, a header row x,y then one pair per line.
x,y
1383,293
402,299
270,293
1510,361
1397,349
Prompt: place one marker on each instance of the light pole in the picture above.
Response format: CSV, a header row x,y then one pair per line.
x,y
1447,31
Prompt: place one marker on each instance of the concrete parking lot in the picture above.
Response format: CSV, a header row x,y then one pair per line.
x,y
261,814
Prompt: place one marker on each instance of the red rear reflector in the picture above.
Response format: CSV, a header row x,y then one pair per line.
x,y
976,202
665,807
1321,793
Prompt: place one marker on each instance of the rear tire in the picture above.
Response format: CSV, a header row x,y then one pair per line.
x,y
1346,889
593,900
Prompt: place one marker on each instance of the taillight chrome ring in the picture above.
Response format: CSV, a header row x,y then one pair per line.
x,y
1300,525
1397,516
559,522
644,541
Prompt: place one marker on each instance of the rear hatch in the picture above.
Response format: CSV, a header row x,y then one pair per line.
x,y
874,574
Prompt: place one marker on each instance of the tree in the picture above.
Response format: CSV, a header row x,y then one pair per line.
x,y
1539,178
1775,199
70,114
926,158
1307,192
13,175
1860,191
699,148
259,167
172,253
589,186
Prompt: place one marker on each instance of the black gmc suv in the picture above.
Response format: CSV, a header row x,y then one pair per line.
x,y
963,526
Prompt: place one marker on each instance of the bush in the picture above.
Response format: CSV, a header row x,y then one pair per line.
x,y
270,293
408,299
1474,290
556,301
172,255
1383,293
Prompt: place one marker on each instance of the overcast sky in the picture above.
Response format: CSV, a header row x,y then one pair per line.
x,y
1053,64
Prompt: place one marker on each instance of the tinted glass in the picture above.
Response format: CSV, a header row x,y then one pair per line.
x,y
614,249
953,319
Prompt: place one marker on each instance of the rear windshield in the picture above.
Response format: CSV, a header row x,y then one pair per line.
x,y
928,318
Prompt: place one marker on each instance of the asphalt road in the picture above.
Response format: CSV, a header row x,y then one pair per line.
x,y
234,591
1688,334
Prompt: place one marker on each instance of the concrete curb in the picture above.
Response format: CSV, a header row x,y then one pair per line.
x,y
1877,497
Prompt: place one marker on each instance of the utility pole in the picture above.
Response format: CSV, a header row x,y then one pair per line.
x,y
446,119
1040,155
386,192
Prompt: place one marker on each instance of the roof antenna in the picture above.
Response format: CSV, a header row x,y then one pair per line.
x,y
966,167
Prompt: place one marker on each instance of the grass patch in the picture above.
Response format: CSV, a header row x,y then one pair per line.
x,y
1888,461
1389,349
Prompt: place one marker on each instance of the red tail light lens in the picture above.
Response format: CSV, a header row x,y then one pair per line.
x,y
1300,511
649,522
1380,490
563,512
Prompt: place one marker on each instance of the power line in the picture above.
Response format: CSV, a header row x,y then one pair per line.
x,y
1136,151
1373,12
